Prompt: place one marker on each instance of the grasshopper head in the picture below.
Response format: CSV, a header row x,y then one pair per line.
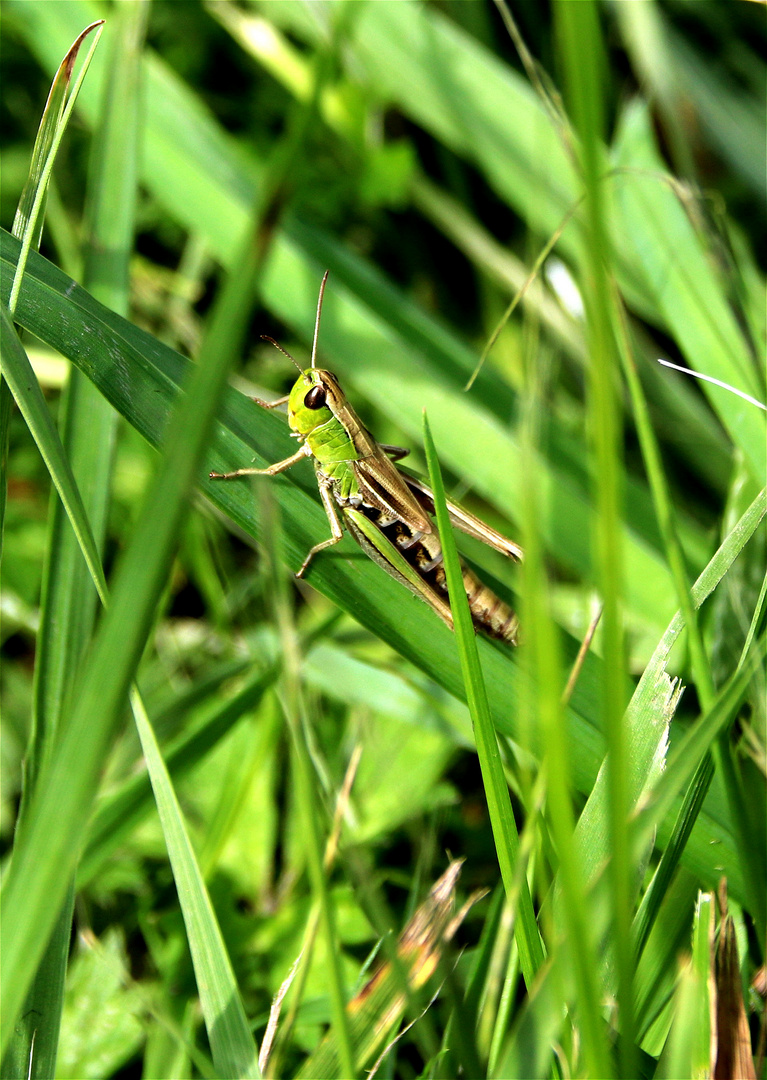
x,y
311,399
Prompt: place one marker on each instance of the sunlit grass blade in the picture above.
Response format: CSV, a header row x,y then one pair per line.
x,y
59,808
688,753
26,390
69,599
496,788
28,223
234,1052
122,810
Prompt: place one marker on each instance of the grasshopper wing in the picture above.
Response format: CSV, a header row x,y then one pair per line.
x,y
462,519
384,487
377,547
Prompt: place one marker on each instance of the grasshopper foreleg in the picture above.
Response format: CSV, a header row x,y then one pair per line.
x,y
271,470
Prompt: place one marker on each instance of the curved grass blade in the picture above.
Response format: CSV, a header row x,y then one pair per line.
x,y
28,223
32,892
87,423
496,789
17,371
234,1052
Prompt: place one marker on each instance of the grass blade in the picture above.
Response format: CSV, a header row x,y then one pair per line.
x,y
26,390
69,599
28,223
496,789
579,29
234,1052
60,806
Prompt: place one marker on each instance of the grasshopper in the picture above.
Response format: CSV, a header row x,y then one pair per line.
x,y
385,508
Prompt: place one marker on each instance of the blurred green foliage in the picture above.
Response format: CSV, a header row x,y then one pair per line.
x,y
436,168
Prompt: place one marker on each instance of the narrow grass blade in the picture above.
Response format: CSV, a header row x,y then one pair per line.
x,y
121,811
28,223
69,599
653,702
578,31
687,765
496,788
18,372
688,1047
59,808
234,1052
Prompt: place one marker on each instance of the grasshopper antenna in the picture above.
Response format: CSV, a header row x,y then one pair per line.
x,y
265,337
317,321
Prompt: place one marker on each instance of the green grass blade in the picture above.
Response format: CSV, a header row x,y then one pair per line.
x,y
18,372
689,767
578,31
688,1048
28,223
234,1052
88,422
69,598
652,707
496,789
119,812
60,806
686,756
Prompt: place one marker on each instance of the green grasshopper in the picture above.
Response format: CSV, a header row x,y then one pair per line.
x,y
384,508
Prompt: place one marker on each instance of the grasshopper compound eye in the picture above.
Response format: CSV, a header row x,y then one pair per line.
x,y
316,398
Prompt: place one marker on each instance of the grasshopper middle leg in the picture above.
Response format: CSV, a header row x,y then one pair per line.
x,y
336,527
